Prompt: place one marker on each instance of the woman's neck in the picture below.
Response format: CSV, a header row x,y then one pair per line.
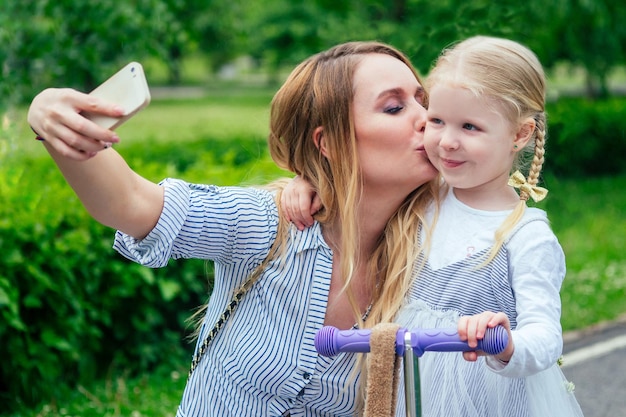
x,y
372,216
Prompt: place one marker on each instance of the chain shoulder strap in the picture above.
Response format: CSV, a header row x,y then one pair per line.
x,y
220,322
230,308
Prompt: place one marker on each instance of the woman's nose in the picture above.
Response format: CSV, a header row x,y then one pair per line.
x,y
420,119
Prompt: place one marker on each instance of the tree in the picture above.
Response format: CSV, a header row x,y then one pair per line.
x,y
63,42
76,44
283,32
591,34
208,27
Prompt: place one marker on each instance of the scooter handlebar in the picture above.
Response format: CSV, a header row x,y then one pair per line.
x,y
330,341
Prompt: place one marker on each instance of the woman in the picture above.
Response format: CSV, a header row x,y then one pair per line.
x,y
350,120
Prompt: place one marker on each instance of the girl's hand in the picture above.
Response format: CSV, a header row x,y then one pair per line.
x,y
472,329
299,202
55,115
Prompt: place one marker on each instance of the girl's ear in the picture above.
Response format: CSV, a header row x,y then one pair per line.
x,y
524,133
318,139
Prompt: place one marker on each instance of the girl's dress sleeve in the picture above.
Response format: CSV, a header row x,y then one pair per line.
x,y
537,265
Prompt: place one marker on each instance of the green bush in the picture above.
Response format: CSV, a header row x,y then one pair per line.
x,y
586,137
70,306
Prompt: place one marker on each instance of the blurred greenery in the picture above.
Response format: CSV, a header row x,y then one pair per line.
x,y
107,336
76,44
119,394
587,215
66,298
171,137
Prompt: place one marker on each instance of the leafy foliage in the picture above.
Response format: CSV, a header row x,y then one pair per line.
x,y
586,137
75,44
70,306
590,34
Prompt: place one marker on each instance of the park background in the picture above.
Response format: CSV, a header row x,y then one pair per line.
x,y
84,332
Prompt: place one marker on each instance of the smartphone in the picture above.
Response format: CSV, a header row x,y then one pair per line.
x,y
127,88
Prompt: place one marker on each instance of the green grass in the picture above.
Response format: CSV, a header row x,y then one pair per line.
x,y
182,121
223,114
587,216
152,395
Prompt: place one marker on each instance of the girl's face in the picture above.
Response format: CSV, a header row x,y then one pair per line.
x,y
389,119
470,142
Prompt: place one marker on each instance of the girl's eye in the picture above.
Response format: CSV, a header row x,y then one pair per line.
x,y
394,109
469,126
435,121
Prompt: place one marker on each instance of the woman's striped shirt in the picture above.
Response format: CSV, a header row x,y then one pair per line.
x,y
263,362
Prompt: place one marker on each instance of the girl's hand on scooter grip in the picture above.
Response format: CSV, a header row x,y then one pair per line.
x,y
472,328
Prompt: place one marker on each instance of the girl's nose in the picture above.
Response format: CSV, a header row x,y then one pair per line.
x,y
448,140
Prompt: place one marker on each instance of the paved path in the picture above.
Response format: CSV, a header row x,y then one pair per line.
x,y
595,361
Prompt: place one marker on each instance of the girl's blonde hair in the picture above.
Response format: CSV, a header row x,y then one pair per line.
x,y
511,75
320,92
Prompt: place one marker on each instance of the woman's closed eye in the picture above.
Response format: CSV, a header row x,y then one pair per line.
x,y
393,109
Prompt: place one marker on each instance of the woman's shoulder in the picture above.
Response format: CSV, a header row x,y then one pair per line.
x,y
238,194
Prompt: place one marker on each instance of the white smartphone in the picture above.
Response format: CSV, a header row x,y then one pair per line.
x,y
128,88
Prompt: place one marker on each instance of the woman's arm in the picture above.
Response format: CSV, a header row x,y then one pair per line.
x,y
109,189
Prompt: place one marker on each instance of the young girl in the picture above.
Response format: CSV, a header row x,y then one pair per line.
x,y
491,260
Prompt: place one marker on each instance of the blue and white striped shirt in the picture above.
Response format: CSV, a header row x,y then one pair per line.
x,y
263,362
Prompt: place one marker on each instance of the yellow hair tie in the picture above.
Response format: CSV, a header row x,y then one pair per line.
x,y
517,180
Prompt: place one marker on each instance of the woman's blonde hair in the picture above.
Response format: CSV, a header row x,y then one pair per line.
x,y
320,93
509,74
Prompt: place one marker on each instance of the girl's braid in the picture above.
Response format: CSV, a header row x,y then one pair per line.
x,y
538,157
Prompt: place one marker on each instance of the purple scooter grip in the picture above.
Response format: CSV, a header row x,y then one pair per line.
x,y
329,341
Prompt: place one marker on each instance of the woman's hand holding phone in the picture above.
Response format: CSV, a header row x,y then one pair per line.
x,y
58,115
